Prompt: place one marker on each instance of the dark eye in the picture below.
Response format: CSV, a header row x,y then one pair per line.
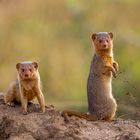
x,y
30,70
100,41
23,70
107,41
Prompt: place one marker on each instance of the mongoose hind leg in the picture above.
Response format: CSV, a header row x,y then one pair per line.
x,y
12,104
9,99
10,95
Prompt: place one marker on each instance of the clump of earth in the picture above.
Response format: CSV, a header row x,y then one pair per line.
x,y
52,126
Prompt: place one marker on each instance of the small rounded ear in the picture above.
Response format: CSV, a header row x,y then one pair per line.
x,y
17,66
111,35
93,36
35,65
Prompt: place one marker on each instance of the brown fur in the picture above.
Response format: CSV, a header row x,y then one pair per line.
x,y
27,87
83,115
101,104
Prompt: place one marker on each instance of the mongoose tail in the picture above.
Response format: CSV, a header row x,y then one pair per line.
x,y
83,115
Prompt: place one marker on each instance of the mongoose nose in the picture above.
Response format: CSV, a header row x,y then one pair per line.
x,y
26,75
104,45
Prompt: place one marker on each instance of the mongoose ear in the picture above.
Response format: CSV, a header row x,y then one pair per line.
x,y
93,36
17,66
35,65
111,35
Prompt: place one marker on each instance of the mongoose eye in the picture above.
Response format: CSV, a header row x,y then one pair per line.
x,y
30,70
23,70
100,41
107,41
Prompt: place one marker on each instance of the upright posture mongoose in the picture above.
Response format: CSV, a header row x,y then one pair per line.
x,y
101,104
26,87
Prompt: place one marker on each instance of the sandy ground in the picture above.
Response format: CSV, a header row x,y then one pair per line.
x,y
51,126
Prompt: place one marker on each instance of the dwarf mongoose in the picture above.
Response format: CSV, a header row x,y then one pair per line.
x,y
101,103
26,87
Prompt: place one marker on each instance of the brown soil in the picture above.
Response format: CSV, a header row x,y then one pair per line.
x,y
51,126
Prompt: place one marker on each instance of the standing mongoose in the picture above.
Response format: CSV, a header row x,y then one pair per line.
x,y
101,103
26,87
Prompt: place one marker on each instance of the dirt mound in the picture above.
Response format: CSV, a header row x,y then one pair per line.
x,y
51,126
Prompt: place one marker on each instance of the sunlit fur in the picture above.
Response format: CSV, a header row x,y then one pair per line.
x,y
101,103
27,86
99,87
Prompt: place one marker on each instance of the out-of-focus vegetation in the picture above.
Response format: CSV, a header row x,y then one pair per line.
x,y
57,34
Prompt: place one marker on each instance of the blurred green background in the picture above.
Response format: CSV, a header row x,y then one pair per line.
x,y
57,34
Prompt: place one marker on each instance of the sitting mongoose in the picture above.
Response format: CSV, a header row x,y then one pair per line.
x,y
101,103
26,87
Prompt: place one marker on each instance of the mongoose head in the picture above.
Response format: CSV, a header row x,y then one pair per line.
x,y
27,70
102,40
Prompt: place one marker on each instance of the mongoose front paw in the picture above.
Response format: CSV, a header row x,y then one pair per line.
x,y
115,65
24,112
110,69
42,110
114,74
